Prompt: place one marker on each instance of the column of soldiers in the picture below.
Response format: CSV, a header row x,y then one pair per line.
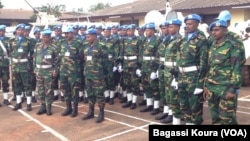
x,y
176,73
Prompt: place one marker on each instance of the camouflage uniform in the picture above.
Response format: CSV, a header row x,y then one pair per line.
x,y
21,52
151,87
70,74
95,70
4,68
130,55
191,60
45,62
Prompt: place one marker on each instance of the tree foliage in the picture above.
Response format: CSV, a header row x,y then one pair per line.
x,y
52,9
99,6
1,5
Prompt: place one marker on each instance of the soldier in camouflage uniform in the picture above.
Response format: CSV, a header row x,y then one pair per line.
x,y
150,81
192,61
160,60
70,71
83,29
130,55
99,30
95,62
223,75
45,67
57,40
4,64
111,44
171,95
21,51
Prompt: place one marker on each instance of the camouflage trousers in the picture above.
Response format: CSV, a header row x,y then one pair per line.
x,y
95,89
33,81
21,83
55,83
151,87
110,78
130,81
70,84
4,76
162,87
222,110
44,86
191,105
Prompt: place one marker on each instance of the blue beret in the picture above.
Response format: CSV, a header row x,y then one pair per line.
x,y
150,25
164,24
92,26
76,26
57,27
46,32
20,26
224,15
68,29
91,31
175,22
107,28
193,17
83,26
115,26
36,30
143,27
218,23
2,27
132,26
98,27
27,27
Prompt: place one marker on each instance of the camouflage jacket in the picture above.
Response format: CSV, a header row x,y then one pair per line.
x,y
111,47
45,57
95,61
160,55
224,73
193,52
70,60
20,51
3,57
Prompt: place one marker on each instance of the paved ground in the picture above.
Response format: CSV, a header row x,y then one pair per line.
x,y
119,125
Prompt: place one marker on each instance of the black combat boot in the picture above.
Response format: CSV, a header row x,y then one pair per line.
x,y
33,99
142,103
162,116
75,109
6,102
100,117
13,98
18,106
126,105
111,101
155,111
90,113
42,109
48,109
147,109
56,97
68,110
133,106
62,98
29,107
85,100
168,119
81,98
123,99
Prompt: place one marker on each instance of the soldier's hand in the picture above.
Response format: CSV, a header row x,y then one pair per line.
x,y
54,74
205,93
230,95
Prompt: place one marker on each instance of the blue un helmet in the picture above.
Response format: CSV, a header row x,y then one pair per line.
x,y
218,23
91,31
150,25
36,30
21,25
107,28
224,15
46,32
2,27
68,29
175,22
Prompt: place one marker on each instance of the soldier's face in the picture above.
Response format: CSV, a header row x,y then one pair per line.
x,y
58,32
69,35
82,30
218,32
20,32
173,29
2,32
149,32
130,32
191,26
107,33
37,35
141,32
46,38
90,38
164,30
114,30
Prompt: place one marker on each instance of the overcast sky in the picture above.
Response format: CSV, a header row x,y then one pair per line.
x,y
70,4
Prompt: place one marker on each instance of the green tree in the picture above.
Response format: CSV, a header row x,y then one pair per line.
x,y
1,6
52,9
99,6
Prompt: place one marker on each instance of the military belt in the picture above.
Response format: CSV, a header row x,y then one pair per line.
x,y
188,69
130,57
170,64
44,66
162,59
89,58
110,56
148,58
19,60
